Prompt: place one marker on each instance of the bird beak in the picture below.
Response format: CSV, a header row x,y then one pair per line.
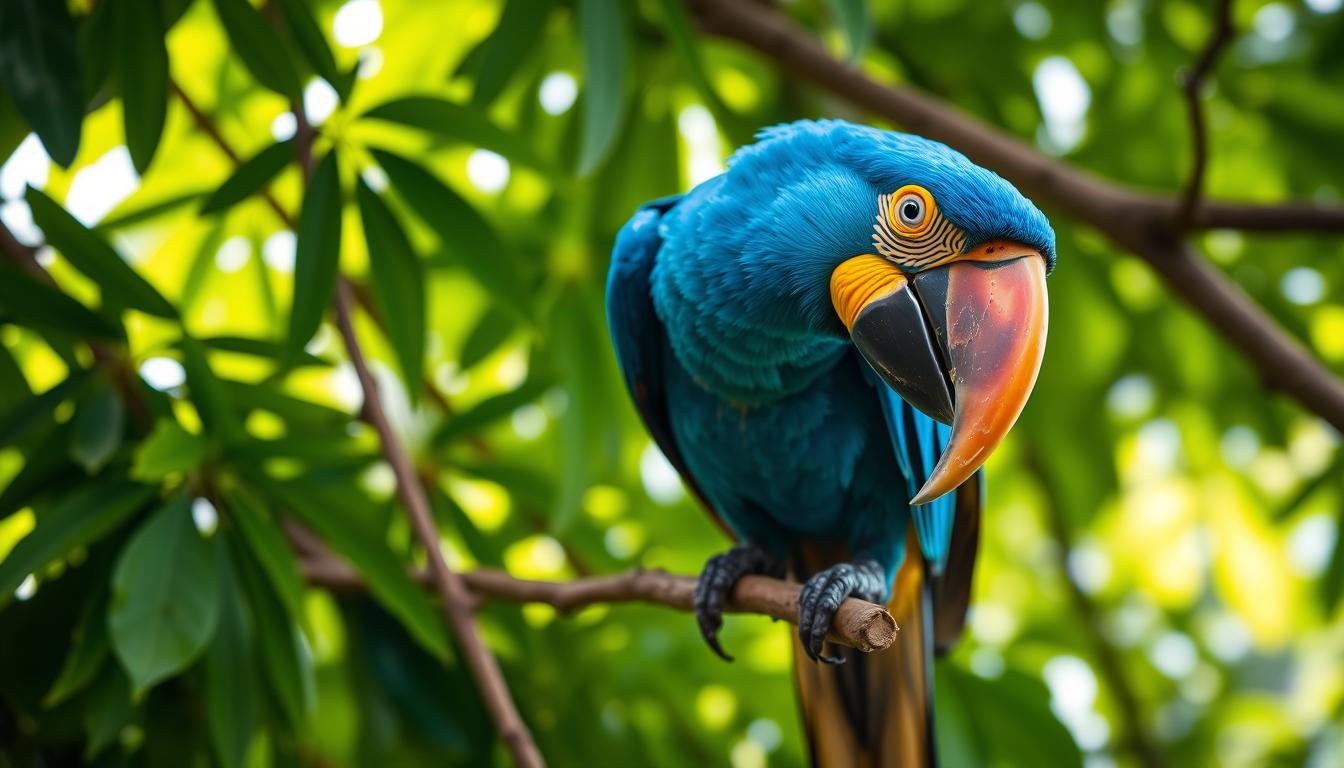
x,y
962,343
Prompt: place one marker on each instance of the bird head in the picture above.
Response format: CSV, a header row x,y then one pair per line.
x,y
949,304
935,267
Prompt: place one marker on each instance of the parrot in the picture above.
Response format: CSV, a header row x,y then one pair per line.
x,y
826,341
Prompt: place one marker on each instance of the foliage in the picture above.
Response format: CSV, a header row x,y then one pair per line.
x,y
177,391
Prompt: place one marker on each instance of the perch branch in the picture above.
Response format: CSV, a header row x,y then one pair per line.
x,y
1141,223
1193,83
858,624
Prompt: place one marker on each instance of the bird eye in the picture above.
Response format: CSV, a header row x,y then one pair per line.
x,y
911,210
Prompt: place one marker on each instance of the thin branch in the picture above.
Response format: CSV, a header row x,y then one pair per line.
x,y
1136,735
454,597
1193,83
1137,222
858,624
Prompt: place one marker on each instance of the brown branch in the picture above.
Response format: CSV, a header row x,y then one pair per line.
x,y
1193,83
454,597
858,624
1137,222
1136,735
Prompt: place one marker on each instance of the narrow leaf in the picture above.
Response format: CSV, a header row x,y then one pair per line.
x,y
208,394
317,255
461,122
490,331
77,520
95,257
461,229
398,285
43,307
267,544
230,673
519,29
143,68
491,409
22,416
165,597
168,449
108,711
40,69
260,48
98,429
251,177
601,24
134,212
87,652
284,654
313,44
264,349
364,547
854,21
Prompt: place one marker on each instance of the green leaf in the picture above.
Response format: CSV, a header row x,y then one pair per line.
x,y
26,414
356,540
208,394
284,654
107,712
77,520
264,349
492,330
317,255
260,48
40,69
301,415
602,26
98,429
142,64
124,216
461,229
43,307
520,27
491,409
92,255
230,675
854,21
46,470
165,597
973,729
398,285
267,544
87,653
168,449
461,122
314,45
250,177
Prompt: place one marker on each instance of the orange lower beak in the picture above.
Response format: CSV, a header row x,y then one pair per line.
x,y
992,329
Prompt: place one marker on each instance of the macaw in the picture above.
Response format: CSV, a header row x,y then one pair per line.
x,y
827,341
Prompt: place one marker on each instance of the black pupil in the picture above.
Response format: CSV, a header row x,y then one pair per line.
x,y
910,211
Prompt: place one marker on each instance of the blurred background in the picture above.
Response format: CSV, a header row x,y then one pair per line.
x,y
1161,567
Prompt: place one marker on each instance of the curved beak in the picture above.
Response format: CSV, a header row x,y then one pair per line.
x,y
963,343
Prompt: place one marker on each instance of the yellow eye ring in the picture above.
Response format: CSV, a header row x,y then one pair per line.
x,y
911,211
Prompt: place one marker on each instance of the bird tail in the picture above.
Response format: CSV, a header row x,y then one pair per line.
x,y
876,709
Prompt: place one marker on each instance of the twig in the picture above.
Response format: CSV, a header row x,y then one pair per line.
x,y
858,624
454,598
1136,734
1193,83
1137,222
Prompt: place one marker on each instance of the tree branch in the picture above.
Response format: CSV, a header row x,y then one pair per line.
x,y
1142,223
1193,83
858,624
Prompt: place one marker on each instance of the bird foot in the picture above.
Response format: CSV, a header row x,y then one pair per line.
x,y
825,591
716,582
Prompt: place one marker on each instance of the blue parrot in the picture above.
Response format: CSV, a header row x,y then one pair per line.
x,y
827,341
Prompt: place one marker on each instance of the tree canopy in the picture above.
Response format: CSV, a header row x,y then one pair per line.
x,y
290,290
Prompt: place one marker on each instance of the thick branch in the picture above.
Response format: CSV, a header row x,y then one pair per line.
x,y
1138,222
858,624
1193,84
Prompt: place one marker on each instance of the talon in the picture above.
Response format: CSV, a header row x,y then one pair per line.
x,y
822,595
716,582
